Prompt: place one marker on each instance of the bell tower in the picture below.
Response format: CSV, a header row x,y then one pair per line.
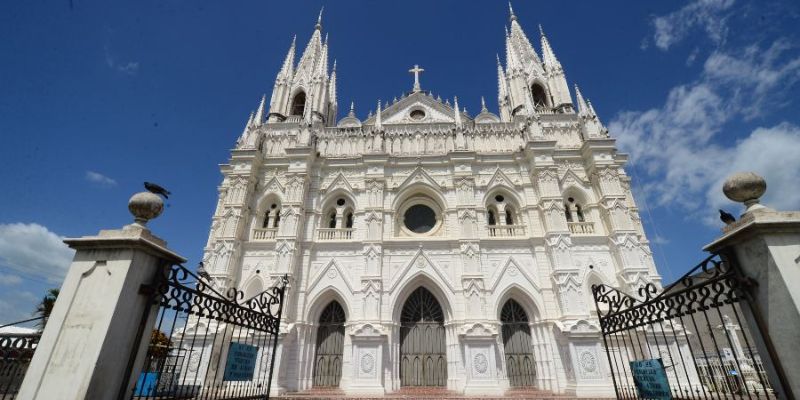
x,y
306,91
530,85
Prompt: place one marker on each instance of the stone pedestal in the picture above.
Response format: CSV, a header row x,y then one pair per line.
x,y
98,330
590,368
368,346
481,361
766,245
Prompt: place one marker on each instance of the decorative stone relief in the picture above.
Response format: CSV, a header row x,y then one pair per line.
x,y
480,363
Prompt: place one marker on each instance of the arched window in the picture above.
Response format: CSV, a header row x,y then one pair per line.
x,y
567,212
299,104
539,96
348,220
579,212
502,216
332,220
337,221
272,216
569,205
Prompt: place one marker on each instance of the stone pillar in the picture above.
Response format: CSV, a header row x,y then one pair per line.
x,y
98,333
481,360
766,246
368,345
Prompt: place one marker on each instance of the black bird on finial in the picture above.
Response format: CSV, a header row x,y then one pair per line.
x,y
156,189
727,218
201,271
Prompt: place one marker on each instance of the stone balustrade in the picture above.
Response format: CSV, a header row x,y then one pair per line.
x,y
335,233
581,228
506,230
264,233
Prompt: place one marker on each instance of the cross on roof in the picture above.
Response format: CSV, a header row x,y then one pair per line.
x,y
416,70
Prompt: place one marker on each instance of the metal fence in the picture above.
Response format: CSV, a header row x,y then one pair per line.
x,y
16,351
694,339
206,345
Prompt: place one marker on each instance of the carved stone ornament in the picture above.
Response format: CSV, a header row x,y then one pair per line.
x,y
480,363
367,363
588,361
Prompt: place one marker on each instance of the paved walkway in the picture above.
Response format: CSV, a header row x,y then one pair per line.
x,y
424,394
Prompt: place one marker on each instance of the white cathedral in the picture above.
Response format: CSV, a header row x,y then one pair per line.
x,y
427,247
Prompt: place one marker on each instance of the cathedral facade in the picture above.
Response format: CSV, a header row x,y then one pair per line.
x,y
427,247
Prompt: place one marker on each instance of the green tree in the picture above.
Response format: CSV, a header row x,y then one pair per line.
x,y
45,307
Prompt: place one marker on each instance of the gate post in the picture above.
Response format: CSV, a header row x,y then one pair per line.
x,y
766,244
100,325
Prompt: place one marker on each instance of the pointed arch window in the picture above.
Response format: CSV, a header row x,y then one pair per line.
x,y
539,96
574,213
299,104
269,224
337,221
502,217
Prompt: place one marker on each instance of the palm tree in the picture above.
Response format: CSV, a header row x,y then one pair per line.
x,y
45,307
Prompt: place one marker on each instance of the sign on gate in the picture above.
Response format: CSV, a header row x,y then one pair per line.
x,y
241,362
650,379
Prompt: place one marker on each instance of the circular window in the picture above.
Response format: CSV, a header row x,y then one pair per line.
x,y
417,114
340,202
419,218
499,198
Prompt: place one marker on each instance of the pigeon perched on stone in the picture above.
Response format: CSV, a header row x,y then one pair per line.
x,y
727,218
156,189
201,271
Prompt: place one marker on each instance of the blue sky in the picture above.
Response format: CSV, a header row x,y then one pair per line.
x,y
96,97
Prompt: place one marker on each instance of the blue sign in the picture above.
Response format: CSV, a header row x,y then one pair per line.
x,y
146,385
651,379
241,362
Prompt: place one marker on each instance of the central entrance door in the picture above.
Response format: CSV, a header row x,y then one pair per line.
x,y
330,345
517,345
422,341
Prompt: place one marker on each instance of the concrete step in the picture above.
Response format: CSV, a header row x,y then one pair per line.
x,y
422,394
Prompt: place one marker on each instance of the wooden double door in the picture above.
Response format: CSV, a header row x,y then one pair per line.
x,y
330,346
423,358
517,346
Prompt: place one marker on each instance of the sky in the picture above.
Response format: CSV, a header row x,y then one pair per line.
x,y
97,97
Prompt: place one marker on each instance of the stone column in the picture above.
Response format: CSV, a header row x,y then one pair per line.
x,y
481,360
368,345
98,333
766,246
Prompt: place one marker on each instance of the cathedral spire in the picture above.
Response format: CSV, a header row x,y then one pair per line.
x,y
519,43
378,123
457,115
288,63
548,56
319,19
511,15
483,105
583,108
261,111
352,112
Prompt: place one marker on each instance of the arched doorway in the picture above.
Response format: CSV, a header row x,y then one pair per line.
x,y
330,346
423,361
517,345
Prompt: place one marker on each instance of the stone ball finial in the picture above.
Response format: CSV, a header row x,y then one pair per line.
x,y
145,206
745,187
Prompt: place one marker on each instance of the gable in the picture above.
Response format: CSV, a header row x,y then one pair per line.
x,y
401,112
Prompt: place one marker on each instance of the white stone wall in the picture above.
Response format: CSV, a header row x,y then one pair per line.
x,y
544,263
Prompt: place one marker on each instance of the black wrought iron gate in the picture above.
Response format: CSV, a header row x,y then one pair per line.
x,y
206,345
423,358
697,338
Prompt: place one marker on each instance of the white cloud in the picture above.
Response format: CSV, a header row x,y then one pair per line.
x,y
33,250
97,177
710,15
130,68
10,280
678,145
